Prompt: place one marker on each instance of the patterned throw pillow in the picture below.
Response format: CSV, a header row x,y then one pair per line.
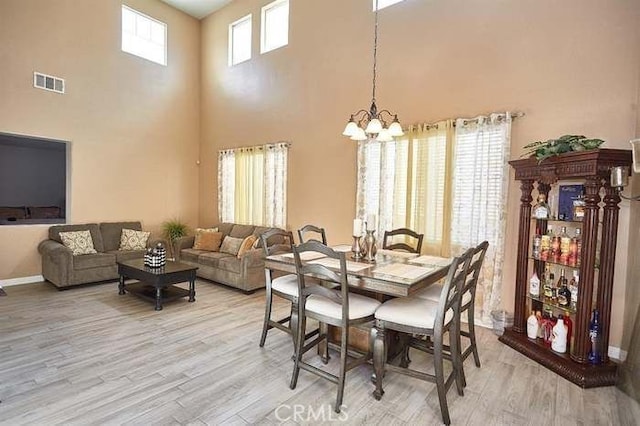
x,y
247,244
133,240
231,245
79,242
207,239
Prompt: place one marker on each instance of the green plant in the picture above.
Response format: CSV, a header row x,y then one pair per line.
x,y
173,229
566,143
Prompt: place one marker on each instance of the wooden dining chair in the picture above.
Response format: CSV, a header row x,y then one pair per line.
x,y
339,308
312,229
285,286
387,240
433,293
418,318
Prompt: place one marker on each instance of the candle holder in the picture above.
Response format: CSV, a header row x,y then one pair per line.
x,y
370,247
355,248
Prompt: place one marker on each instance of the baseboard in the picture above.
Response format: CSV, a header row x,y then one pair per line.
x,y
21,280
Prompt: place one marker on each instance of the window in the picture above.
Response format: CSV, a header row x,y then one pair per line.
x,y
240,40
144,36
252,185
384,3
275,26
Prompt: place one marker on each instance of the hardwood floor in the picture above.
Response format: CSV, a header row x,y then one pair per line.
x,y
88,355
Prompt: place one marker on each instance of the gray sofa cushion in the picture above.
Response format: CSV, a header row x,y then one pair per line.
x,y
191,255
229,264
89,261
225,228
212,258
241,231
111,233
96,235
122,255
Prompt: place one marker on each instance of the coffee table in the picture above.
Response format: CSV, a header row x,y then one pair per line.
x,y
156,284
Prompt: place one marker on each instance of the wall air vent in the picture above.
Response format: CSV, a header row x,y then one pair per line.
x,y
48,82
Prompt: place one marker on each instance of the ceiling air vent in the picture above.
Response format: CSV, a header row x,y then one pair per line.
x,y
48,82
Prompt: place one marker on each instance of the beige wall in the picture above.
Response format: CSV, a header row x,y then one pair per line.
x,y
133,124
571,66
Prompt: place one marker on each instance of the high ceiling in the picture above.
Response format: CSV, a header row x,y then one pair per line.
x,y
198,8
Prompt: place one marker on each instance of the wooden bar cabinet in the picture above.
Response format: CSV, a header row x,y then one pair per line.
x,y
599,228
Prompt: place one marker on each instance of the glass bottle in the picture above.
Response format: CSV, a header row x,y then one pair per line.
x,y
595,356
537,242
545,243
541,210
548,286
573,289
559,341
565,244
564,295
569,324
578,207
554,253
578,239
534,285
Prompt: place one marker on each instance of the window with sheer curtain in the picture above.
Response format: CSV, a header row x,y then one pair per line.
x,y
252,185
448,181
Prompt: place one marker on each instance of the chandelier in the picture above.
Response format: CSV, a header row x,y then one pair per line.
x,y
371,124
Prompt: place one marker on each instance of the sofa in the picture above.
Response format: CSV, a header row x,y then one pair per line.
x,y
245,273
61,268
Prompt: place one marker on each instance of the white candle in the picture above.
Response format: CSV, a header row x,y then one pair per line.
x,y
371,222
357,227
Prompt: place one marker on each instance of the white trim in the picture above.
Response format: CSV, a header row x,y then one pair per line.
x,y
21,280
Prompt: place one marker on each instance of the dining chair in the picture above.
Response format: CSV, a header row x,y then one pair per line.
x,y
419,317
314,230
388,244
433,293
285,286
339,308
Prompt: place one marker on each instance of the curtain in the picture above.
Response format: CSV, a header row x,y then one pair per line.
x,y
252,185
448,181
479,199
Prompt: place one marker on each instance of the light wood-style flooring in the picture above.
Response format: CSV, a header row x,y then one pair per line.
x,y
89,356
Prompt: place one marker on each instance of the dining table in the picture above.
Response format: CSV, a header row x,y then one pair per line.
x,y
391,274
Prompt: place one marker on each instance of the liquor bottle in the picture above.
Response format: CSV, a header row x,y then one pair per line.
x,y
569,324
547,288
595,357
537,241
564,294
565,243
540,330
572,259
547,329
578,239
534,285
545,243
573,289
578,208
532,326
559,340
554,254
541,210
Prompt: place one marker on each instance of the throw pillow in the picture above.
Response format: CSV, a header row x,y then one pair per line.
x,y
207,240
247,244
231,245
133,240
79,242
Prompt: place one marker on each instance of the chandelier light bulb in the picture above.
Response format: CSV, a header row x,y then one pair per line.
x,y
374,127
359,135
395,129
351,128
384,136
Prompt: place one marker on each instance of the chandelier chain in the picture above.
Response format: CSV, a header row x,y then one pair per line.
x,y
375,52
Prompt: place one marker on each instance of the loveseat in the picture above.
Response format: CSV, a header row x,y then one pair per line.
x,y
244,272
63,269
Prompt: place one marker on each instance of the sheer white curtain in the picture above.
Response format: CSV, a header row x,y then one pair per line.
x,y
252,185
479,203
382,183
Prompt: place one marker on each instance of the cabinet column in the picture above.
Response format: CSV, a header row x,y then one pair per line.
x,y
519,317
585,296
607,264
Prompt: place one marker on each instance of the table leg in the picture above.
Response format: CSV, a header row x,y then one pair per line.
x,y
121,285
192,290
158,299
